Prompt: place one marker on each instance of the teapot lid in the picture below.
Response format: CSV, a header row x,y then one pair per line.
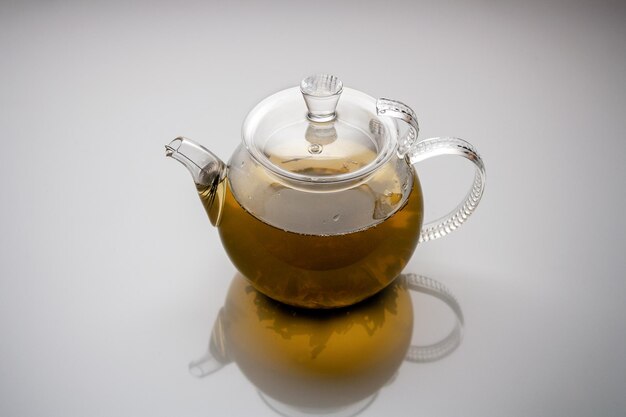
x,y
319,132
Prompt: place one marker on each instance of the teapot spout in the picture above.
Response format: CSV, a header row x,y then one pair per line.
x,y
207,170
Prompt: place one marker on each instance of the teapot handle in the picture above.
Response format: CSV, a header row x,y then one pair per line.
x,y
415,151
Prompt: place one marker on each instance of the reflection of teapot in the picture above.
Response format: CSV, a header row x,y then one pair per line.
x,y
323,208
322,360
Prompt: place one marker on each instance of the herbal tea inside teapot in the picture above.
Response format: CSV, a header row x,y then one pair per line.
x,y
320,206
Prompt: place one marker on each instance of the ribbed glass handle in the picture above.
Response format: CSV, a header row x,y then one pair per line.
x,y
415,151
399,110
429,148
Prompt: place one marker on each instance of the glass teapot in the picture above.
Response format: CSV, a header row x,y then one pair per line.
x,y
320,206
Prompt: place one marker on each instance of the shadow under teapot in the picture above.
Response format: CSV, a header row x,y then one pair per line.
x,y
322,361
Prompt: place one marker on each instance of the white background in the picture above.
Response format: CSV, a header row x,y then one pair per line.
x,y
111,275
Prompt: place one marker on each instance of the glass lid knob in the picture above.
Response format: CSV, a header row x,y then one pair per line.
x,y
321,94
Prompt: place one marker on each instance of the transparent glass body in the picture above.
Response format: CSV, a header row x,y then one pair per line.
x,y
320,206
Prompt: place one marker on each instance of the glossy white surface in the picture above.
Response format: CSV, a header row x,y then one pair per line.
x,y
111,276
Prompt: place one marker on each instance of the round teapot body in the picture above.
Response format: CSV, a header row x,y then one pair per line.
x,y
324,248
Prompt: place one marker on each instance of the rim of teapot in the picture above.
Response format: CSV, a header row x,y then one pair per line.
x,y
352,101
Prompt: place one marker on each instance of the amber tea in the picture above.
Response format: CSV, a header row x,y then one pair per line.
x,y
319,270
